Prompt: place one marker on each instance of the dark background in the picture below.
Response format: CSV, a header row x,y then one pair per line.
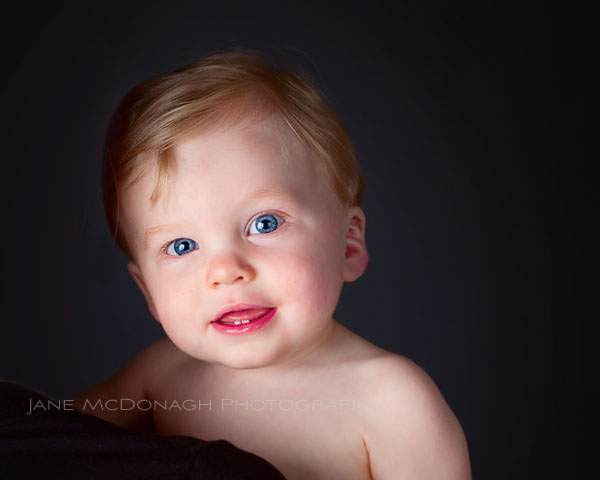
x,y
460,118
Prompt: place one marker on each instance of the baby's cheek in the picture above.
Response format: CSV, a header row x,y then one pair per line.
x,y
313,282
177,305
168,293
184,322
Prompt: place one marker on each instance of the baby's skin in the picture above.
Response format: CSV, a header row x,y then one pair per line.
x,y
242,262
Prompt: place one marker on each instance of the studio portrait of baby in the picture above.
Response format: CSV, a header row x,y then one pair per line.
x,y
301,240
234,190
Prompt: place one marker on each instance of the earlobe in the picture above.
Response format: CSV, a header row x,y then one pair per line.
x,y
139,280
356,255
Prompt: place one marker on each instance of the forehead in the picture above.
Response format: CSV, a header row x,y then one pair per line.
x,y
265,150
221,169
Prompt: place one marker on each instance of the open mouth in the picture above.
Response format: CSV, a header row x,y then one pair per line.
x,y
242,317
245,320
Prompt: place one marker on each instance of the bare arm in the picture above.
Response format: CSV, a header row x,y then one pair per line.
x,y
117,399
411,432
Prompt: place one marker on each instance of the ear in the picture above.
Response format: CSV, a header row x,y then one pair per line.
x,y
356,256
137,276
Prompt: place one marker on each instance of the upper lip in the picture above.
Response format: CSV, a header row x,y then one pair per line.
x,y
238,307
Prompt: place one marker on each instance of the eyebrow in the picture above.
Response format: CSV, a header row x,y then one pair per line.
x,y
256,194
268,192
153,231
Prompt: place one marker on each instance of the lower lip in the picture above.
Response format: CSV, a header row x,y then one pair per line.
x,y
244,328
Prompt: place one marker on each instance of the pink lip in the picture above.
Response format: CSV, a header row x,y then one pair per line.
x,y
256,317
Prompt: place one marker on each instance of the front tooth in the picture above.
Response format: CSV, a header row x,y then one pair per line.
x,y
245,321
237,322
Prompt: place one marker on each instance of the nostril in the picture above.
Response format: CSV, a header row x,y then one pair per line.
x,y
227,270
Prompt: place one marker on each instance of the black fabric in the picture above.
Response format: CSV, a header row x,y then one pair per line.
x,y
66,444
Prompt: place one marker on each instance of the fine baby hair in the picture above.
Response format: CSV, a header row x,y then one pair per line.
x,y
223,89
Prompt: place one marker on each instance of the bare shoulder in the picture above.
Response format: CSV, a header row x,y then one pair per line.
x,y
131,383
409,429
135,376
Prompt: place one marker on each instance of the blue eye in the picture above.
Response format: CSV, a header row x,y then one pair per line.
x,y
181,246
265,224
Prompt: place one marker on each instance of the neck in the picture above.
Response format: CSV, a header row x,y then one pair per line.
x,y
315,354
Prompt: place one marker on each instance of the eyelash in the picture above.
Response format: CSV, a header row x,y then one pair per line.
x,y
165,247
278,215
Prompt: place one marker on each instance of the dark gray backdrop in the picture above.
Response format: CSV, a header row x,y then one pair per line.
x,y
453,114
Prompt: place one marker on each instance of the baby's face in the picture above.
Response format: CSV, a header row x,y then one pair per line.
x,y
244,236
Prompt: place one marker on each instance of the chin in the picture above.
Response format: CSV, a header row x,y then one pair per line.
x,y
247,361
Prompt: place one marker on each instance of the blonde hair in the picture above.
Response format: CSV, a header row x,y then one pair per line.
x,y
220,90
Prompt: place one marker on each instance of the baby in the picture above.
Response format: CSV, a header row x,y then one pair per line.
x,y
234,190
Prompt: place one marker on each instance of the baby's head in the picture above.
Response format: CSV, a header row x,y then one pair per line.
x,y
234,189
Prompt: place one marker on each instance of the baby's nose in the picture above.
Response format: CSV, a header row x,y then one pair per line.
x,y
228,268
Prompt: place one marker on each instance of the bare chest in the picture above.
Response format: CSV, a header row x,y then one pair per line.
x,y
305,432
